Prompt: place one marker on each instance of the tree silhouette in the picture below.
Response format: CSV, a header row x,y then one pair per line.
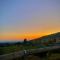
x,y
25,41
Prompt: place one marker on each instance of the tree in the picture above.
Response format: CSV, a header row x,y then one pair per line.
x,y
25,41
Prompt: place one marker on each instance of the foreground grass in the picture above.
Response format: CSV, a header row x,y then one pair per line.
x,y
10,49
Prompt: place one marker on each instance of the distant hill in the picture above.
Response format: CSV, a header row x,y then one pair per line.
x,y
47,38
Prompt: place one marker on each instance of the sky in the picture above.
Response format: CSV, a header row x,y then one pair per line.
x,y
29,19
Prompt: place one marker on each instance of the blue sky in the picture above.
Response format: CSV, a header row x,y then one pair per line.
x,y
29,16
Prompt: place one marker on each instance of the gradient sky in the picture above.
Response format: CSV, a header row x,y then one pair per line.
x,y
21,19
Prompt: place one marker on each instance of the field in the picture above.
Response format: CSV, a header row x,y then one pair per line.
x,y
15,48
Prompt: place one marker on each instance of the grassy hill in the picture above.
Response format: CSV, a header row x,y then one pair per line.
x,y
47,38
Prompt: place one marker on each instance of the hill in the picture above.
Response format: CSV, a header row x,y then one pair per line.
x,y
47,38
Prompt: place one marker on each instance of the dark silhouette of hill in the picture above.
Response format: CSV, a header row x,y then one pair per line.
x,y
47,37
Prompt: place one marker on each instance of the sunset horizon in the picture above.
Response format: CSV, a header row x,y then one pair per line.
x,y
28,37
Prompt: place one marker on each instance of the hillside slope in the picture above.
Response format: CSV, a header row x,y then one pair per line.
x,y
47,38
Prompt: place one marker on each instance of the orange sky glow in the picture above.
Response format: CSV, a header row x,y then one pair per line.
x,y
29,36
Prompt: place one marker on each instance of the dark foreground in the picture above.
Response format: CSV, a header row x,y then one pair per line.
x,y
55,56
47,53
